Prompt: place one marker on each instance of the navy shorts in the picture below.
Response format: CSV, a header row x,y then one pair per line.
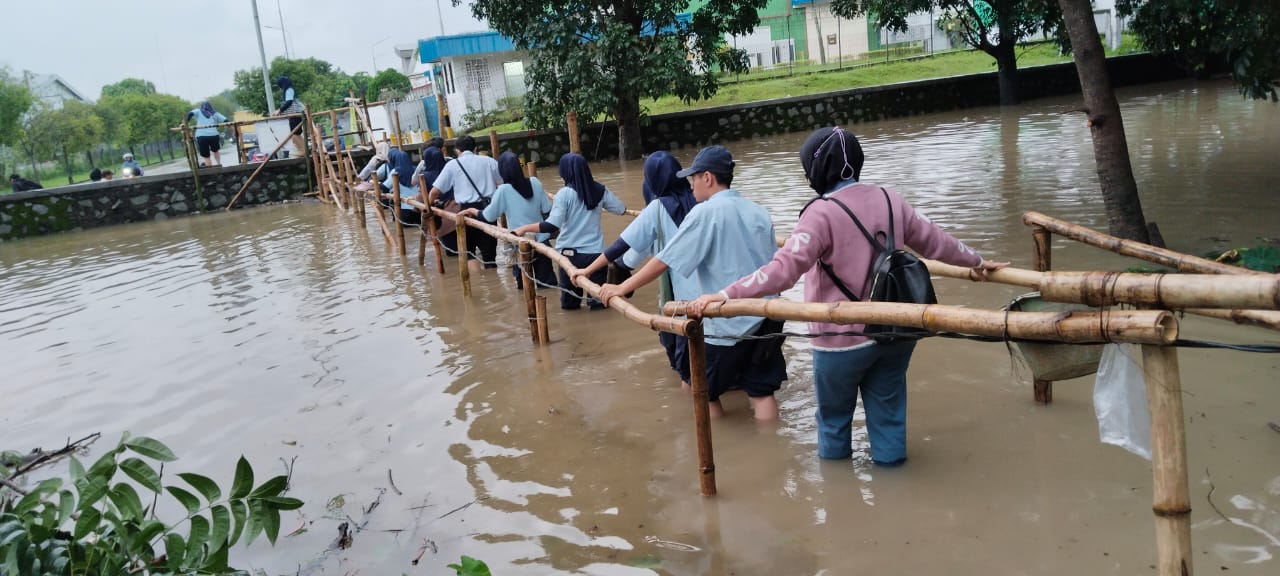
x,y
755,366
206,145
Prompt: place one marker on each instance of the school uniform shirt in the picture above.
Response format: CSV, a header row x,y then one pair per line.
x,y
217,118
721,240
580,228
643,237
294,107
519,210
826,232
483,171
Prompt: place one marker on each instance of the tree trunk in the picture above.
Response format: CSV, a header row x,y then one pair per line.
x,y
89,154
627,114
1110,149
66,165
35,169
169,142
1007,66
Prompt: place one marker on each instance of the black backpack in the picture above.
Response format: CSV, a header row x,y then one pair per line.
x,y
895,276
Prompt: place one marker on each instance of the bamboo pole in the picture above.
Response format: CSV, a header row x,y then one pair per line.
x,y
463,271
1138,326
255,173
1043,261
341,170
1161,256
399,134
493,143
1171,501
1175,291
701,409
307,150
544,330
575,143
395,213
532,169
382,221
331,175
429,218
530,290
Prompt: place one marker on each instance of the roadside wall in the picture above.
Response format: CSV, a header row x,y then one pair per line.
x,y
147,198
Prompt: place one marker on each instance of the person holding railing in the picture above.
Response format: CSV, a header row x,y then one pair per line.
x,y
292,105
400,167
208,143
473,179
835,258
669,199
575,214
522,201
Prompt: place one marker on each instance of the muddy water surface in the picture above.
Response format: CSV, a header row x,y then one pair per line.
x,y
289,334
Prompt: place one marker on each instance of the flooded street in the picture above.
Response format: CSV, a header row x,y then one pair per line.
x,y
291,334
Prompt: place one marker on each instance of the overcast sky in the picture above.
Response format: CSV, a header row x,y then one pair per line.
x,y
192,47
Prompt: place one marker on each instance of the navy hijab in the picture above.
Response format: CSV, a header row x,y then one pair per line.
x,y
284,83
398,161
511,172
432,164
207,109
577,175
660,182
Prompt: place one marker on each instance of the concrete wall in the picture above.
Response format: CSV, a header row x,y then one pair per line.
x,y
707,126
148,198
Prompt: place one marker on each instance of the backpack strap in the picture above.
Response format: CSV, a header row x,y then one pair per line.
x,y
892,242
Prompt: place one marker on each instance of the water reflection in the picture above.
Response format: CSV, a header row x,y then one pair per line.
x,y
290,335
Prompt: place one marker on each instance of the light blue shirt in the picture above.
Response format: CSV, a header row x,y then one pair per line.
x,y
580,228
217,118
643,237
405,191
518,210
483,171
721,240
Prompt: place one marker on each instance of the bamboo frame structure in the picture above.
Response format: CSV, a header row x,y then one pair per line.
x,y
530,291
463,270
255,173
575,140
395,213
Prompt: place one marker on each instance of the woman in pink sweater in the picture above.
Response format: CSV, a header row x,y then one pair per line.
x,y
845,365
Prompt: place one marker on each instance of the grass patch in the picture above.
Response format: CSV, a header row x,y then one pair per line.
x,y
806,79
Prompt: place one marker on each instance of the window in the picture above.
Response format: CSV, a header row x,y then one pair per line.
x,y
513,76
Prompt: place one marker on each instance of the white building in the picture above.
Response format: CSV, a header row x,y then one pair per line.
x,y
51,89
474,72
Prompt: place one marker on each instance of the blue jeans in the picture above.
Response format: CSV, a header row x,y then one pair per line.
x,y
880,372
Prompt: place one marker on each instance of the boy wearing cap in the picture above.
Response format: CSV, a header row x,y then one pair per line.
x,y
722,239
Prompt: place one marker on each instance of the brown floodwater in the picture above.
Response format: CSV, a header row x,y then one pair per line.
x,y
292,334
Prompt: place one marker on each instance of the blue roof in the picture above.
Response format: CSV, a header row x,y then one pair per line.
x,y
487,42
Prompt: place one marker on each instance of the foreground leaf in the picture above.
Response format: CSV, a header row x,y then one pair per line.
x,y
151,449
188,500
142,473
206,487
243,482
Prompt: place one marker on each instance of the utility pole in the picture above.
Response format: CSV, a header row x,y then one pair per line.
x,y
283,38
440,17
262,53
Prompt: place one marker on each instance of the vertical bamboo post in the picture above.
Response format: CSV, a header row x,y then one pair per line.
x,y
493,143
463,271
307,148
530,290
395,212
575,145
540,311
399,134
187,134
235,133
1043,262
430,221
1171,501
532,169
333,125
701,408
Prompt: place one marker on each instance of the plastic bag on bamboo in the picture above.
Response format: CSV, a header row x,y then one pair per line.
x,y
1120,400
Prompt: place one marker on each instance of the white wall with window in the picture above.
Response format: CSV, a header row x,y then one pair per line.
x,y
479,82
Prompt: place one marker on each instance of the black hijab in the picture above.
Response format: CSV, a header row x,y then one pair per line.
x,y
398,161
660,182
577,175
432,164
831,156
512,173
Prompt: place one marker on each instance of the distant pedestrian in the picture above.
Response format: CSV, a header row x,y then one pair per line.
x,y
130,167
208,142
291,105
21,184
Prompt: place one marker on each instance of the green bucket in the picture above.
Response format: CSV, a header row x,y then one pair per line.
x,y
1054,361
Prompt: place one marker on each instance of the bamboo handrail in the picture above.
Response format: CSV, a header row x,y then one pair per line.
x,y
1139,250
1137,326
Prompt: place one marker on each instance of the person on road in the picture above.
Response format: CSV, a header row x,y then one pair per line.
x,y
130,167
21,184
208,142
292,105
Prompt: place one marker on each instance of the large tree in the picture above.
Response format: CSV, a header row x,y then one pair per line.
x,y
1242,34
15,100
318,84
389,83
992,26
604,56
129,86
72,129
1110,147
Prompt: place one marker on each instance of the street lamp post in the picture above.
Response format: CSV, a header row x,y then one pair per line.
x,y
280,15
283,37
262,53
373,56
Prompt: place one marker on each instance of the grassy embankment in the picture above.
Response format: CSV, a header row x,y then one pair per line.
x,y
807,79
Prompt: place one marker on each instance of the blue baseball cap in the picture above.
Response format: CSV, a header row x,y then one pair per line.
x,y
713,159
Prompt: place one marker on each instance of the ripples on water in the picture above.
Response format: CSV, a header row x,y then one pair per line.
x,y
288,332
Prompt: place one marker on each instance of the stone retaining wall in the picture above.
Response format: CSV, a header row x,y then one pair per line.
x,y
147,198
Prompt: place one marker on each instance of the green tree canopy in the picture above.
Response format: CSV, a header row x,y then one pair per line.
x,y
15,100
129,86
992,26
389,83
223,104
318,83
361,80
603,57
1243,34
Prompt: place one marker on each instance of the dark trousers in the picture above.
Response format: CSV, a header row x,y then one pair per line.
x,y
543,272
572,300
